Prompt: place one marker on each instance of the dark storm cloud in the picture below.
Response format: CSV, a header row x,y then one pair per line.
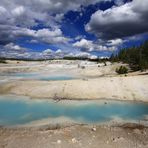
x,y
122,21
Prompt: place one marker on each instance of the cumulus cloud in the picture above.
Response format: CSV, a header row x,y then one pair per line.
x,y
11,33
48,51
30,13
121,21
93,57
115,42
82,55
84,44
119,2
59,51
12,50
16,11
79,54
19,17
88,45
50,36
12,46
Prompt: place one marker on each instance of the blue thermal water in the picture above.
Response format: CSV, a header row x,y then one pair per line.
x,y
20,111
39,76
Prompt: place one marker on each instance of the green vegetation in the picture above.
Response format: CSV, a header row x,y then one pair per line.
x,y
122,70
74,58
3,61
103,60
136,57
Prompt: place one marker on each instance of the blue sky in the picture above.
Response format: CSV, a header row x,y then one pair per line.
x,y
57,28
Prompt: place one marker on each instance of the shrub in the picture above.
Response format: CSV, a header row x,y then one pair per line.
x,y
122,70
3,61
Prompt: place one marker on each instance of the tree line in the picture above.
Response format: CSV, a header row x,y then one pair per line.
x,y
136,57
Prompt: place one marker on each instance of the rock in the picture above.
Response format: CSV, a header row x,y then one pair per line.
x,y
120,138
59,141
137,131
84,79
94,129
114,140
144,132
82,67
74,140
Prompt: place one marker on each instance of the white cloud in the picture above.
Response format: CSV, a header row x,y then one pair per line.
x,y
80,37
121,21
82,55
18,11
59,17
83,43
48,51
89,45
115,42
42,35
93,57
47,32
50,36
39,10
12,46
2,10
29,13
15,51
119,2
108,25
58,51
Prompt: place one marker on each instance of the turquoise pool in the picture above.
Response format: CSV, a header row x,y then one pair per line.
x,y
17,110
39,76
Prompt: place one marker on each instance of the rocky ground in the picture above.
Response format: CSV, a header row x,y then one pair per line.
x,y
77,136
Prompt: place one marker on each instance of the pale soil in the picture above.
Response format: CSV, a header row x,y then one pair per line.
x,y
94,83
78,136
116,88
55,67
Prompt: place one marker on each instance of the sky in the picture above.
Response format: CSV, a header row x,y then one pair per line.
x,y
79,28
